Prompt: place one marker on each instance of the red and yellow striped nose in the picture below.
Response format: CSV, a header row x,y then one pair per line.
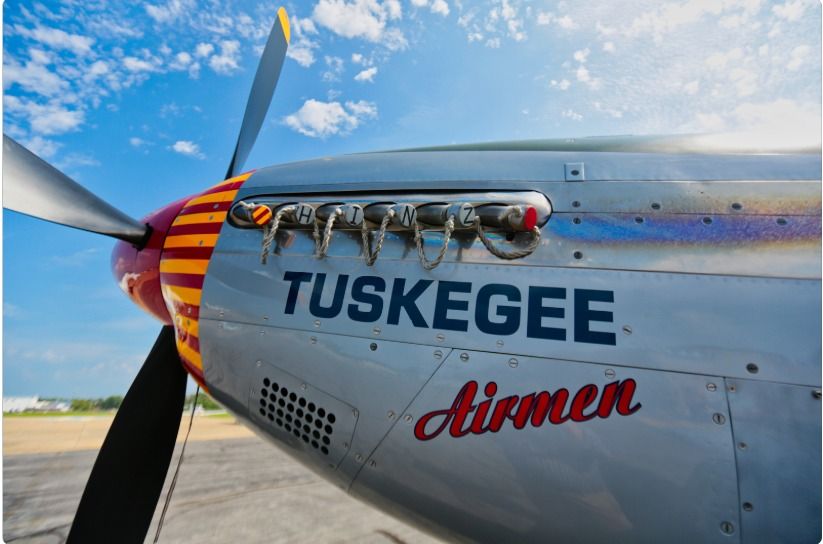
x,y
185,260
165,278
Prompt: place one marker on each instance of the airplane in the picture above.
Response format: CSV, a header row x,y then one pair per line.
x,y
574,340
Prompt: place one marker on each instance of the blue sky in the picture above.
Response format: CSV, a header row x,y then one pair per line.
x,y
141,103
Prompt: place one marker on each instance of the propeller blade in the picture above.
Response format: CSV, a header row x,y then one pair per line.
x,y
34,187
125,483
265,81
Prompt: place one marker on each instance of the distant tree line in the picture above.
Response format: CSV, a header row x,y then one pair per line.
x,y
112,403
90,405
203,401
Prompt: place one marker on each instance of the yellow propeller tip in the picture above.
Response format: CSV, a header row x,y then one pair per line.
x,y
284,22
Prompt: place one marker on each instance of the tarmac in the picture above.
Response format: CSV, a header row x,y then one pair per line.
x,y
235,489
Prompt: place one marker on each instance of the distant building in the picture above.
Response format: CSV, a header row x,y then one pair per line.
x,y
19,404
33,404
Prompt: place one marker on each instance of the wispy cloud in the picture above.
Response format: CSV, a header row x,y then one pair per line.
x,y
188,148
319,119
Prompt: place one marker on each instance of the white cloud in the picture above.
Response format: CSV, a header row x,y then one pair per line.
x,y
563,84
571,114
566,22
357,58
134,141
42,147
34,77
364,19
691,87
227,61
335,68
203,50
608,47
582,55
171,11
544,18
323,119
133,64
719,61
50,118
440,7
301,49
367,74
58,39
798,57
188,148
792,10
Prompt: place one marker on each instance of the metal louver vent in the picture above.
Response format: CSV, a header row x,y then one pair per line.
x,y
302,416
304,419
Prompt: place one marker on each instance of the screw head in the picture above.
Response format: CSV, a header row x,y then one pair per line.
x,y
627,330
376,331
610,373
316,323
748,507
303,386
390,414
719,418
258,364
727,527
408,418
752,368
742,445
711,387
373,346
499,343
464,357
358,458
438,354
372,463
816,394
513,362
440,337
313,339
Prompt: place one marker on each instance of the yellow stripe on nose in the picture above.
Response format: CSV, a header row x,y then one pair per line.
x,y
186,295
184,266
222,196
192,356
191,240
194,218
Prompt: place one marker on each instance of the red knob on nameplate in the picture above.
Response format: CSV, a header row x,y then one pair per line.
x,y
530,217
261,215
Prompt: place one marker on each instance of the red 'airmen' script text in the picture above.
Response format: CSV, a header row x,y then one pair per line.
x,y
464,417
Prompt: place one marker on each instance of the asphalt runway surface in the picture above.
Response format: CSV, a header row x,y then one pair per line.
x,y
229,490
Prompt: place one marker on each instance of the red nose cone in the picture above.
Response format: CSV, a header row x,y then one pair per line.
x,y
138,271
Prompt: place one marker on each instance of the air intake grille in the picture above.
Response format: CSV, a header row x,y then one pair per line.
x,y
304,419
301,416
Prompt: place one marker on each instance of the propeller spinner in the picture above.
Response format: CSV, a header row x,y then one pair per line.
x,y
125,484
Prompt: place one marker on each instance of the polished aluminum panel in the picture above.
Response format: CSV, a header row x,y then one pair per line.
x,y
443,169
667,469
376,380
714,325
731,244
777,435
